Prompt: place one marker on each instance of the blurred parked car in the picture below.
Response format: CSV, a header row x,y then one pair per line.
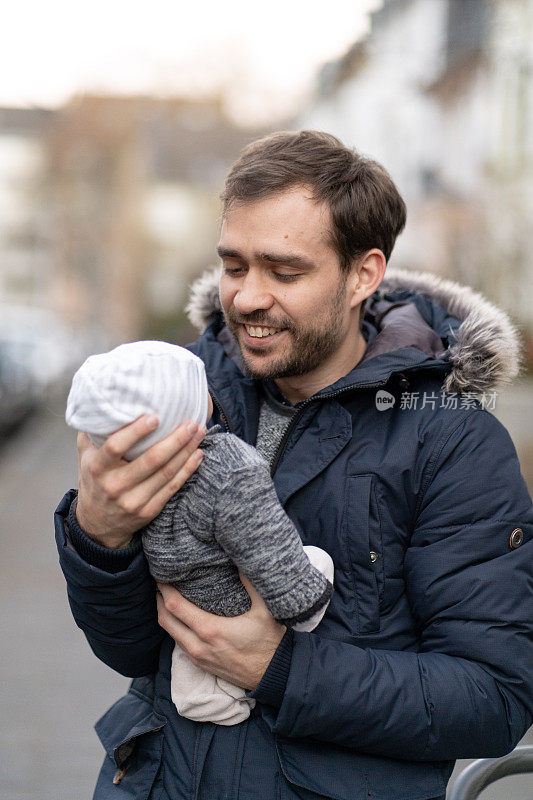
x,y
38,355
18,396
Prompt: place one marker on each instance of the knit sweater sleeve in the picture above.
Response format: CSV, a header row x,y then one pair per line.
x,y
260,539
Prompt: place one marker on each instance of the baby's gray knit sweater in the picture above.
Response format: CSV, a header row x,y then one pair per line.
x,y
228,516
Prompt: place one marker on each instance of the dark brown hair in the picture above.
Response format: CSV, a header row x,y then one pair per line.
x,y
367,210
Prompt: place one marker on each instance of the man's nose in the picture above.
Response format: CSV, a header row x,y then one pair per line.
x,y
253,294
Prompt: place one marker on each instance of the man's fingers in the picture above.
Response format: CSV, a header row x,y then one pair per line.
x,y
131,494
190,615
83,441
176,604
157,490
84,444
117,445
182,635
151,494
145,500
180,444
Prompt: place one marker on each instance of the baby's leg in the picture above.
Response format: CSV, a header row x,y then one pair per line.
x,y
324,564
203,697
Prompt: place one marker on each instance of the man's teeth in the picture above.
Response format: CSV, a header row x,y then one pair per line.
x,y
259,333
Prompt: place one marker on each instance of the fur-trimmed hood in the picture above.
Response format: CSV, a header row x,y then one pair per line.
x,y
479,341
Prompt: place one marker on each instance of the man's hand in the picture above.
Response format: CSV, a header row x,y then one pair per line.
x,y
238,649
118,497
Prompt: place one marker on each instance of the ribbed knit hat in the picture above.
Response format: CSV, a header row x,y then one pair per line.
x,y
112,389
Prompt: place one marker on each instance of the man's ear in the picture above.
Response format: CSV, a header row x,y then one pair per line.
x,y
366,275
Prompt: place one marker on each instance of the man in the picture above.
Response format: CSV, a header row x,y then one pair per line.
x,y
424,654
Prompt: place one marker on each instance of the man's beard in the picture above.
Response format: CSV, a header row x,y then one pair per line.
x,y
310,345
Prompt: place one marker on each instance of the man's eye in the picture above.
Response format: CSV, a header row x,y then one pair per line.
x,y
233,271
286,277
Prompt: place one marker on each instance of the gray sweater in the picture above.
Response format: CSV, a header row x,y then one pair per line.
x,y
227,516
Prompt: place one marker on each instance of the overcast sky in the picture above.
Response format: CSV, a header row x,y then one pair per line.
x,y
265,52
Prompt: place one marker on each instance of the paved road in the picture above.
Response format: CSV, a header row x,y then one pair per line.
x,y
52,687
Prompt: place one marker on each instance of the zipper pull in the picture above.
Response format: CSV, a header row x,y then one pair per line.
x,y
119,774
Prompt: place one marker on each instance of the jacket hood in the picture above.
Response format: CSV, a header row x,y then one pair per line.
x,y
475,339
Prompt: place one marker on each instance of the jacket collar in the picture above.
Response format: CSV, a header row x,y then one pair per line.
x,y
413,321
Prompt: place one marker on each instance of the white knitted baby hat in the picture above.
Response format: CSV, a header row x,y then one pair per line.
x,y
112,389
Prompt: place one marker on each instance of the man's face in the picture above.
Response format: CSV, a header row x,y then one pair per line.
x,y
282,291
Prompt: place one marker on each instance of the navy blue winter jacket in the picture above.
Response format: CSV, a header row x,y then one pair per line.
x,y
425,652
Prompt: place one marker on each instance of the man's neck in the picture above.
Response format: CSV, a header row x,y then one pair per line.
x,y
301,387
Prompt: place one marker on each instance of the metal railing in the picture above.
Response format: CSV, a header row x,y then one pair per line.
x,y
480,774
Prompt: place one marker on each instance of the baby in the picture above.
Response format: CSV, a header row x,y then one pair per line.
x,y
225,518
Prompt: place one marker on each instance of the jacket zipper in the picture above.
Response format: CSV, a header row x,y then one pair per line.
x,y
295,418
221,411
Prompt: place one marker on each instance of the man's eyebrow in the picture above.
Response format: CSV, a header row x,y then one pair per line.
x,y
227,252
288,259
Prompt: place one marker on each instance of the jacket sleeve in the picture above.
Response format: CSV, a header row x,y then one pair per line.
x,y
468,691
116,609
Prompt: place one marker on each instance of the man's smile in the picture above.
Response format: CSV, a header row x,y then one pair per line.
x,y
258,331
259,336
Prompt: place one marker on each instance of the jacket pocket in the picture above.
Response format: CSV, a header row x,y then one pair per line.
x,y
132,736
319,770
362,537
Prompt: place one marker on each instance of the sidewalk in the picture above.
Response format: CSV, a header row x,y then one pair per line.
x,y
53,688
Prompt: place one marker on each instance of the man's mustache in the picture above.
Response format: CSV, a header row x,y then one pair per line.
x,y
257,318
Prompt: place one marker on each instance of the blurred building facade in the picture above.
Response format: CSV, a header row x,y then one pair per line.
x,y
135,181
26,265
110,207
441,93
